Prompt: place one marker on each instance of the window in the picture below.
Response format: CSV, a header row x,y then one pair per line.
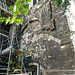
x,y
34,2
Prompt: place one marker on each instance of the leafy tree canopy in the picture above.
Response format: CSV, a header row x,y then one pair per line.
x,y
17,8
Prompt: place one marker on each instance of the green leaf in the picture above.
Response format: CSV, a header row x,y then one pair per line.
x,y
69,33
17,21
28,52
0,14
13,19
2,19
7,20
25,12
59,2
14,13
11,8
54,2
9,69
13,68
28,0
65,4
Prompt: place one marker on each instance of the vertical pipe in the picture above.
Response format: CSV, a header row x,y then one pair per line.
x,y
10,56
0,3
11,45
1,46
17,42
38,69
0,38
5,5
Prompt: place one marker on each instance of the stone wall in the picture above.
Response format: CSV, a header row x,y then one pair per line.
x,y
71,20
44,33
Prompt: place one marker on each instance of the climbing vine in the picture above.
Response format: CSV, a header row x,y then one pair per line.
x,y
61,3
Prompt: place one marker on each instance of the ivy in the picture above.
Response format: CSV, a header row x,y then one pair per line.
x,y
65,4
59,3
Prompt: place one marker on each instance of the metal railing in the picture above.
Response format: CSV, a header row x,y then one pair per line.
x,y
4,32
4,35
4,5
6,40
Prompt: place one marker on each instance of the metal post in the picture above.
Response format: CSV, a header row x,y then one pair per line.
x,y
1,46
0,5
17,41
11,45
38,68
10,56
21,62
5,5
0,38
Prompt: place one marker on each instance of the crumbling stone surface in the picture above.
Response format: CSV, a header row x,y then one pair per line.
x,y
45,38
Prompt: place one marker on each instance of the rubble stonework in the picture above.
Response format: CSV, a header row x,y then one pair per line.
x,y
45,37
71,20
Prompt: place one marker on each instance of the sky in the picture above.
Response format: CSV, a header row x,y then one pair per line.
x,y
74,0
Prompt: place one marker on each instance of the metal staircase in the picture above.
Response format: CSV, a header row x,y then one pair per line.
x,y
9,48
3,68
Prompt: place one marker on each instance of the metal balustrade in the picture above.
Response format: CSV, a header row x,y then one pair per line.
x,y
4,35
6,40
4,5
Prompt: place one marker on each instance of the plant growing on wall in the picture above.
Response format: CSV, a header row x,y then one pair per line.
x,y
17,8
23,5
16,67
61,3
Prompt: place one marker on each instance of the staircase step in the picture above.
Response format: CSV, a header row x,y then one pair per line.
x,y
2,73
3,68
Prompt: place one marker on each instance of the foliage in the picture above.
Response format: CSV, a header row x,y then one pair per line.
x,y
17,8
15,67
22,5
61,3
65,4
39,1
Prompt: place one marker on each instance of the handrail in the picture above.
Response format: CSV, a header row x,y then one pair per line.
x,y
1,8
6,39
4,31
4,35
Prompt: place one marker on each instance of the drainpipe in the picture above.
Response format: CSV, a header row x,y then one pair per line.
x,y
0,39
38,69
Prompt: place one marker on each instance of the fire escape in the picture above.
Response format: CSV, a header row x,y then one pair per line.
x,y
9,45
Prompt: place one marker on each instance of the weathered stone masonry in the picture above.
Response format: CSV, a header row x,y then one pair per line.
x,y
44,36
